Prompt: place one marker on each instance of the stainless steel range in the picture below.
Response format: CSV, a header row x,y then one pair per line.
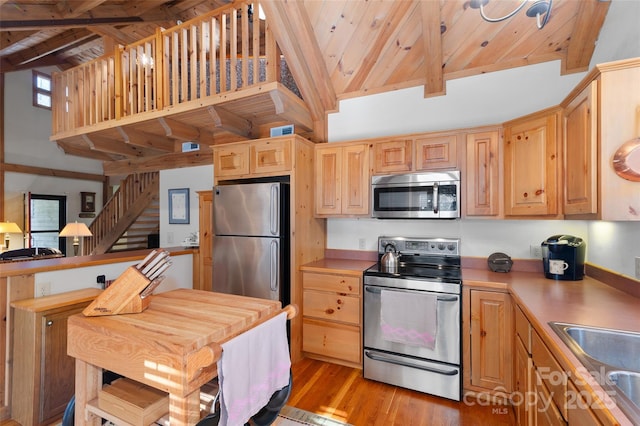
x,y
412,315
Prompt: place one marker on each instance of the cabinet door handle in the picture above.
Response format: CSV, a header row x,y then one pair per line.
x,y
49,323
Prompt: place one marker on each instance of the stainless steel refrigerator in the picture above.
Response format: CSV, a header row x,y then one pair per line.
x,y
251,240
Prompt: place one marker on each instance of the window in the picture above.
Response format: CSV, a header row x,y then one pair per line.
x,y
48,216
41,90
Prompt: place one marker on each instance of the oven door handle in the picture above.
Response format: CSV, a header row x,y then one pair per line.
x,y
382,358
378,290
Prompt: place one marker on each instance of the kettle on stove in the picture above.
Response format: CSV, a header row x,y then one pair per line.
x,y
389,260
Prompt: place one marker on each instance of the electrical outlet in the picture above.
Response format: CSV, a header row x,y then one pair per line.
x,y
535,251
43,289
362,243
638,267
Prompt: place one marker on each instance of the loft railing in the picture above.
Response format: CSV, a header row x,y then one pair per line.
x,y
225,50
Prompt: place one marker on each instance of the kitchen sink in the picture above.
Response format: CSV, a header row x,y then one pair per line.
x,y
619,349
629,383
611,356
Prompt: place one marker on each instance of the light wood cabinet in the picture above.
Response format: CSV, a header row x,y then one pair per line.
x,y
205,258
270,155
43,374
332,325
482,174
261,157
231,160
436,152
579,411
395,156
523,372
292,157
487,340
580,153
531,165
342,180
491,341
600,115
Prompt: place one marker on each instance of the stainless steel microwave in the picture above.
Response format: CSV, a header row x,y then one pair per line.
x,y
430,195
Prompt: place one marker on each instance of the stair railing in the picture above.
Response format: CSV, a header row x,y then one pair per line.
x,y
118,207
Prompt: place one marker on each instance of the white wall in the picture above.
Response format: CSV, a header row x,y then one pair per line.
x,y
480,100
196,179
27,131
178,275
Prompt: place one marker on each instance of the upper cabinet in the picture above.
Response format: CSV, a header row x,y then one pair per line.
x,y
436,152
580,152
416,153
260,157
394,156
531,164
600,115
342,179
482,174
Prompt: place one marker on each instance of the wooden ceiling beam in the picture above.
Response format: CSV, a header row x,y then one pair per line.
x,y
233,123
85,152
159,162
52,45
113,33
177,130
70,9
112,146
290,25
432,45
9,38
591,14
146,140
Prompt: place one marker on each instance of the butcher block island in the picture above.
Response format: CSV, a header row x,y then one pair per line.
x,y
172,346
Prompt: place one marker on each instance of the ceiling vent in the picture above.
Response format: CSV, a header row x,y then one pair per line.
x,y
282,130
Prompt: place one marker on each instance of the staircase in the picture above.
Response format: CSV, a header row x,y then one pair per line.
x,y
128,218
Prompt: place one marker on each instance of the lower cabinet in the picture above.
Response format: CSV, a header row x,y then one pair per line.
x,y
331,324
490,346
43,373
543,392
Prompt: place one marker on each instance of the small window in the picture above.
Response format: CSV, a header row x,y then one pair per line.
x,y
41,90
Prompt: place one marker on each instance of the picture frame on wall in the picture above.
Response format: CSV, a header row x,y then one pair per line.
x,y
179,206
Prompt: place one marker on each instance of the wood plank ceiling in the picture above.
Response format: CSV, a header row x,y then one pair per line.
x,y
335,49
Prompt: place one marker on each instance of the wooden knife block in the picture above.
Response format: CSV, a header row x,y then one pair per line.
x,y
122,296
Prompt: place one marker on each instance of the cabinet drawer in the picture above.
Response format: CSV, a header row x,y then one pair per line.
x,y
332,340
523,329
546,413
326,282
578,410
332,306
550,372
271,156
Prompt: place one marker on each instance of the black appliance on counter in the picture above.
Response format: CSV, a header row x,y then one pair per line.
x,y
563,257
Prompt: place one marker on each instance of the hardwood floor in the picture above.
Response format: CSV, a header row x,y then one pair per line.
x,y
341,393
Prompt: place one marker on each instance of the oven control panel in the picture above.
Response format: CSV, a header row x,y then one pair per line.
x,y
421,246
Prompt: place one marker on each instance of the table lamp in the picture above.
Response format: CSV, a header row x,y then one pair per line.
x,y
9,228
75,230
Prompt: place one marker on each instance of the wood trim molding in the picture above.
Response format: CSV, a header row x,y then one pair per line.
x,y
43,171
2,146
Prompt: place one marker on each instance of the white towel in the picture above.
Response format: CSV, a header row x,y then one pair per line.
x,y
409,318
252,367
